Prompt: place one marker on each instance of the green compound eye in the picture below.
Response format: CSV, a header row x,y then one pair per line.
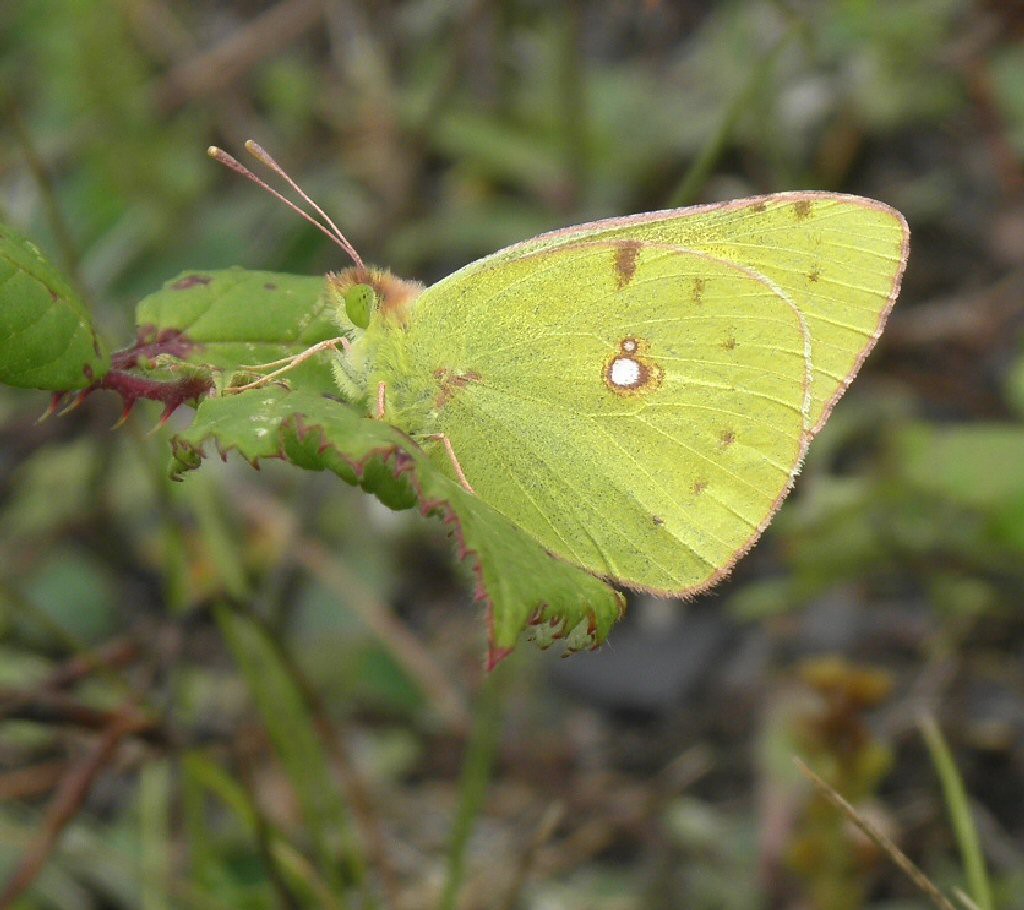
x,y
359,303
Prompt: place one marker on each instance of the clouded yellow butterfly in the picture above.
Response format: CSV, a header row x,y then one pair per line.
x,y
636,393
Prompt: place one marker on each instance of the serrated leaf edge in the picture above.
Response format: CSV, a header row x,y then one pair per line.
x,y
400,462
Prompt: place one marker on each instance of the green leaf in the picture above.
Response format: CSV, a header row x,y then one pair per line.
x,y
520,583
233,318
976,464
47,339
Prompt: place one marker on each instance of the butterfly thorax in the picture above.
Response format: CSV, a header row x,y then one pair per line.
x,y
363,301
378,349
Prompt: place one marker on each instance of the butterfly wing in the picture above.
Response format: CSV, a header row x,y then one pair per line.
x,y
638,394
839,258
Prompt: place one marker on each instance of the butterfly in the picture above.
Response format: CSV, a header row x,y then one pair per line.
x,y
637,394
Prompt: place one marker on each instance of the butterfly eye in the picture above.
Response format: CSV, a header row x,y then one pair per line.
x,y
360,301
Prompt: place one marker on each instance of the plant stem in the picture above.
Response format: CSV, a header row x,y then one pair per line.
x,y
573,103
41,174
898,857
476,773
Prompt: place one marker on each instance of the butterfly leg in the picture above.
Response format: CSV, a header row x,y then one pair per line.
x,y
289,363
459,473
382,392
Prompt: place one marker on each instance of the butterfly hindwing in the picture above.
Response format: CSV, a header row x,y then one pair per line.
x,y
640,409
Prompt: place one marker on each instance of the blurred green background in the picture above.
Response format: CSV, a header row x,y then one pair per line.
x,y
257,690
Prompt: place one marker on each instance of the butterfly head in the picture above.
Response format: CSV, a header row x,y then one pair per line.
x,y
360,294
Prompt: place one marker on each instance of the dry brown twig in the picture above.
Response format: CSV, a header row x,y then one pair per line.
x,y
112,655
56,708
67,802
32,781
902,861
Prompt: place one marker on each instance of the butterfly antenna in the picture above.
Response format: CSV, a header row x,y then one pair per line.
x,y
232,163
264,157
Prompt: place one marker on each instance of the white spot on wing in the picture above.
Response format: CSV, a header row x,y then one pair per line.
x,y
625,372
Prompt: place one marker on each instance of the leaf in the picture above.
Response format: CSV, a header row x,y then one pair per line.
x,y
520,583
233,318
47,339
976,464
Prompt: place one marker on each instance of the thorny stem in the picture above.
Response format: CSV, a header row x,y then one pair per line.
x,y
171,393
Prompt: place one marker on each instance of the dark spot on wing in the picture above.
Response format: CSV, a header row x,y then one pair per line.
x,y
625,262
815,275
658,522
450,381
728,438
729,344
802,208
699,486
699,285
191,281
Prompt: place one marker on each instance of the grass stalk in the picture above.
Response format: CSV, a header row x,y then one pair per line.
x,y
959,809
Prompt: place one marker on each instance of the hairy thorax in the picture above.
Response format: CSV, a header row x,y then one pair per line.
x,y
378,360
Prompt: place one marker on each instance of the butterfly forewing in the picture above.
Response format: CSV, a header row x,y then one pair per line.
x,y
637,407
839,258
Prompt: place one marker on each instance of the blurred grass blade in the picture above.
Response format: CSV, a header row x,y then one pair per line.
x,y
224,549
202,774
154,818
704,164
299,748
960,814
202,860
476,773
